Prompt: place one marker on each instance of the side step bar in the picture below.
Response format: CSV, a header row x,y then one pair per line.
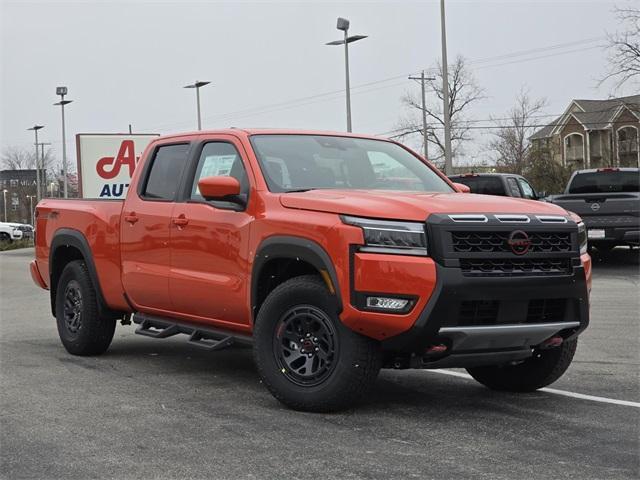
x,y
200,336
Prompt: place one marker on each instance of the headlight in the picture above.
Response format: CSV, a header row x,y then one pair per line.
x,y
384,236
582,238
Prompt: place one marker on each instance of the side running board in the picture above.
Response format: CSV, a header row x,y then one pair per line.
x,y
208,338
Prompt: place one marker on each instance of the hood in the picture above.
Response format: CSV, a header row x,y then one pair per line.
x,y
411,205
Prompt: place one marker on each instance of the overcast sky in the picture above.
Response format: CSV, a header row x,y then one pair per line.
x,y
126,62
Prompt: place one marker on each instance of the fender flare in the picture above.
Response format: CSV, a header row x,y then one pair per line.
x,y
68,237
290,247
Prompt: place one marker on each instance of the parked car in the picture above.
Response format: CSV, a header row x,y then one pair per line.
x,y
9,233
26,229
608,200
312,248
502,184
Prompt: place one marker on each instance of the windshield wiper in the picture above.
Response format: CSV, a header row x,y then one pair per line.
x,y
299,190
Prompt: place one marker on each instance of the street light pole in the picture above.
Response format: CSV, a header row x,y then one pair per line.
x,y
448,163
62,91
197,86
30,197
43,174
4,202
425,131
35,129
343,24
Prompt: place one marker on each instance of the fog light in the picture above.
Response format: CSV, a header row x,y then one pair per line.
x,y
387,303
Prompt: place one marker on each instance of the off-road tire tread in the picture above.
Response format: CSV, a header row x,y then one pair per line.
x,y
97,333
354,382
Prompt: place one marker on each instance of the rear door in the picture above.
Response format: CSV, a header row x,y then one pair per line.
x,y
145,228
210,239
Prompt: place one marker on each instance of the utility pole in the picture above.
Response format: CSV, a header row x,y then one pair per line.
x,y
425,131
42,173
448,164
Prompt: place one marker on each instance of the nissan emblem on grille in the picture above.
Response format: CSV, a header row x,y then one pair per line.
x,y
595,207
519,242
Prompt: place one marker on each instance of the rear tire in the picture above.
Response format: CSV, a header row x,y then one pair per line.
x,y
304,354
5,237
542,369
81,330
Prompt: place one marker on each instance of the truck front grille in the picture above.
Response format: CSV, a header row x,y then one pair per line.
x,y
496,242
487,312
515,266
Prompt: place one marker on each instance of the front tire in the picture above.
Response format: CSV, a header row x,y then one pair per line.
x,y
304,354
81,330
542,369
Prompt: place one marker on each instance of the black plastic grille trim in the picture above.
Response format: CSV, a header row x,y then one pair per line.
x,y
516,266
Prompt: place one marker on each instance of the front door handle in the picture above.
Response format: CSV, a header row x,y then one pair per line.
x,y
131,218
181,221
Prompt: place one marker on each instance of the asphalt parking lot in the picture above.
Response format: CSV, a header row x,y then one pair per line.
x,y
162,409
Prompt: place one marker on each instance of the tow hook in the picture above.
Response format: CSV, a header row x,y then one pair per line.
x,y
552,342
435,349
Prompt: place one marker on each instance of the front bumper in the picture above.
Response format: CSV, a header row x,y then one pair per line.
x,y
476,315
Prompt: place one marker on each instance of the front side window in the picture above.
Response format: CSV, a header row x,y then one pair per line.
x,y
220,159
166,170
527,189
306,162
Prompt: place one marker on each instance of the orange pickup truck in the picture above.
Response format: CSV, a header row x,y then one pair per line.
x,y
333,254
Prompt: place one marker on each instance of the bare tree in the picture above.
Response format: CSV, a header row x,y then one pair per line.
x,y
624,49
511,144
16,158
463,92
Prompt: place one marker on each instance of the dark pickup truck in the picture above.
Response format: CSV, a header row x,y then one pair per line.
x,y
501,184
608,200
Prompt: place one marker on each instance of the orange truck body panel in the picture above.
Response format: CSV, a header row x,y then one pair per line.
x,y
201,272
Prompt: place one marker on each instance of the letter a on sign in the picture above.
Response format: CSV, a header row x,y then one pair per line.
x,y
126,156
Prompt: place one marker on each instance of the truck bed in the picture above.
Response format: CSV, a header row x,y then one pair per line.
x,y
99,222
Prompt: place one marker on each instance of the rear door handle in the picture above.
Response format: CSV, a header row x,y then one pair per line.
x,y
131,218
180,221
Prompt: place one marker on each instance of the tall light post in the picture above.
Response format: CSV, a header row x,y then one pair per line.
x,y
62,91
4,202
30,197
197,85
343,24
43,173
425,132
448,163
35,129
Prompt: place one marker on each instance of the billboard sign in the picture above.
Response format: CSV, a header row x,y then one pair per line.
x,y
106,162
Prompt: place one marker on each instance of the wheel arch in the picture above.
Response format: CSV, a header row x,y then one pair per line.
x,y
68,245
280,258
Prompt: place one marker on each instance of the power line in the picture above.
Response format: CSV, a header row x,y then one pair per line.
x,y
482,63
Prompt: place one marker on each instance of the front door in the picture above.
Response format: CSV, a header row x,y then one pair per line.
x,y
145,229
210,242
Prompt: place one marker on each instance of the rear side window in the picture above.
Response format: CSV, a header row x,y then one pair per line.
x,y
166,170
604,182
484,185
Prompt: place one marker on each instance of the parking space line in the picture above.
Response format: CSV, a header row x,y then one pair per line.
x,y
554,391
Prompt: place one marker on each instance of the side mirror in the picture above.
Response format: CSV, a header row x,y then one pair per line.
x,y
541,195
217,188
462,188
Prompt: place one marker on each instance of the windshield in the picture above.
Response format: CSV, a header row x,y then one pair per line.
x,y
305,162
604,182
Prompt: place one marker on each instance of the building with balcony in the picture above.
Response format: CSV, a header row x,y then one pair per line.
x,y
593,134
